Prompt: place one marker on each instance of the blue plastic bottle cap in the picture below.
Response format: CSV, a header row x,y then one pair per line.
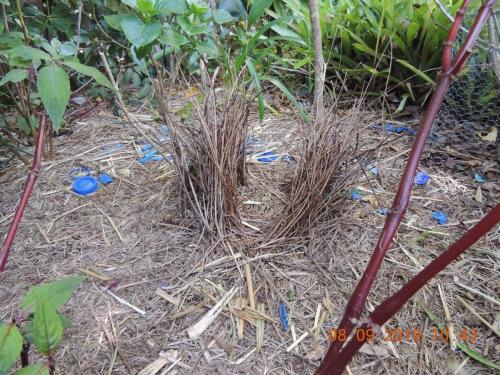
x,y
85,185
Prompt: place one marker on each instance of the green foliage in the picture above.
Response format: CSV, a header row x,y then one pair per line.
x,y
11,344
39,323
33,370
53,87
393,45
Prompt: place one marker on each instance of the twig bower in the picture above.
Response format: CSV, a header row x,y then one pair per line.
x,y
337,358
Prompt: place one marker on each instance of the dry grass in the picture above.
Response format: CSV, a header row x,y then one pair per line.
x,y
130,239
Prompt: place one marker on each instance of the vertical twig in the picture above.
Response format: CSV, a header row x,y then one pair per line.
x,y
32,176
319,62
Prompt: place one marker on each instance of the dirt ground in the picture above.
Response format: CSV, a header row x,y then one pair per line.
x,y
133,243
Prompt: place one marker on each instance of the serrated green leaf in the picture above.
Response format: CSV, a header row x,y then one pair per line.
x,y
257,10
11,344
139,33
56,293
66,323
28,53
91,72
222,16
14,76
33,370
146,7
47,326
53,87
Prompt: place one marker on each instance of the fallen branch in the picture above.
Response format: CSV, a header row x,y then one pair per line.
x,y
28,188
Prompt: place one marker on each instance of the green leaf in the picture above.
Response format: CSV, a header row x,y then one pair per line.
x,y
29,53
11,344
57,293
191,28
171,6
173,38
68,49
53,87
1,27
417,71
66,323
47,327
33,370
256,83
14,76
208,47
138,33
146,7
222,16
114,21
280,85
91,72
257,10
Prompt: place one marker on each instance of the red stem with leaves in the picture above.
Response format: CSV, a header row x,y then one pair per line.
x,y
450,67
28,188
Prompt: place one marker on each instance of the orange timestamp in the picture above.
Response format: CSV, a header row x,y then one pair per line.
x,y
400,334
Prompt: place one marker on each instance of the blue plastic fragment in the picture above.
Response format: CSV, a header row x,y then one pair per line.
x,y
105,178
396,129
383,211
157,158
148,156
480,178
288,158
85,185
440,217
421,178
146,147
283,316
356,195
372,169
267,157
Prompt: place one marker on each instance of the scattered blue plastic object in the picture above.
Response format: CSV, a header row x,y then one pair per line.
x,y
383,211
440,217
421,178
288,158
146,147
105,178
393,128
85,185
267,157
79,172
356,195
283,316
479,178
372,169
148,156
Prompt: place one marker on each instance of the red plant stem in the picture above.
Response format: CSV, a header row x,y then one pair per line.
x,y
400,203
393,304
28,188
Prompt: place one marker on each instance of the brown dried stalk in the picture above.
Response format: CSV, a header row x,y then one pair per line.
x,y
209,155
322,174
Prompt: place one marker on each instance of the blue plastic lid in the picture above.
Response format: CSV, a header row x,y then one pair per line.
x,y
85,185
